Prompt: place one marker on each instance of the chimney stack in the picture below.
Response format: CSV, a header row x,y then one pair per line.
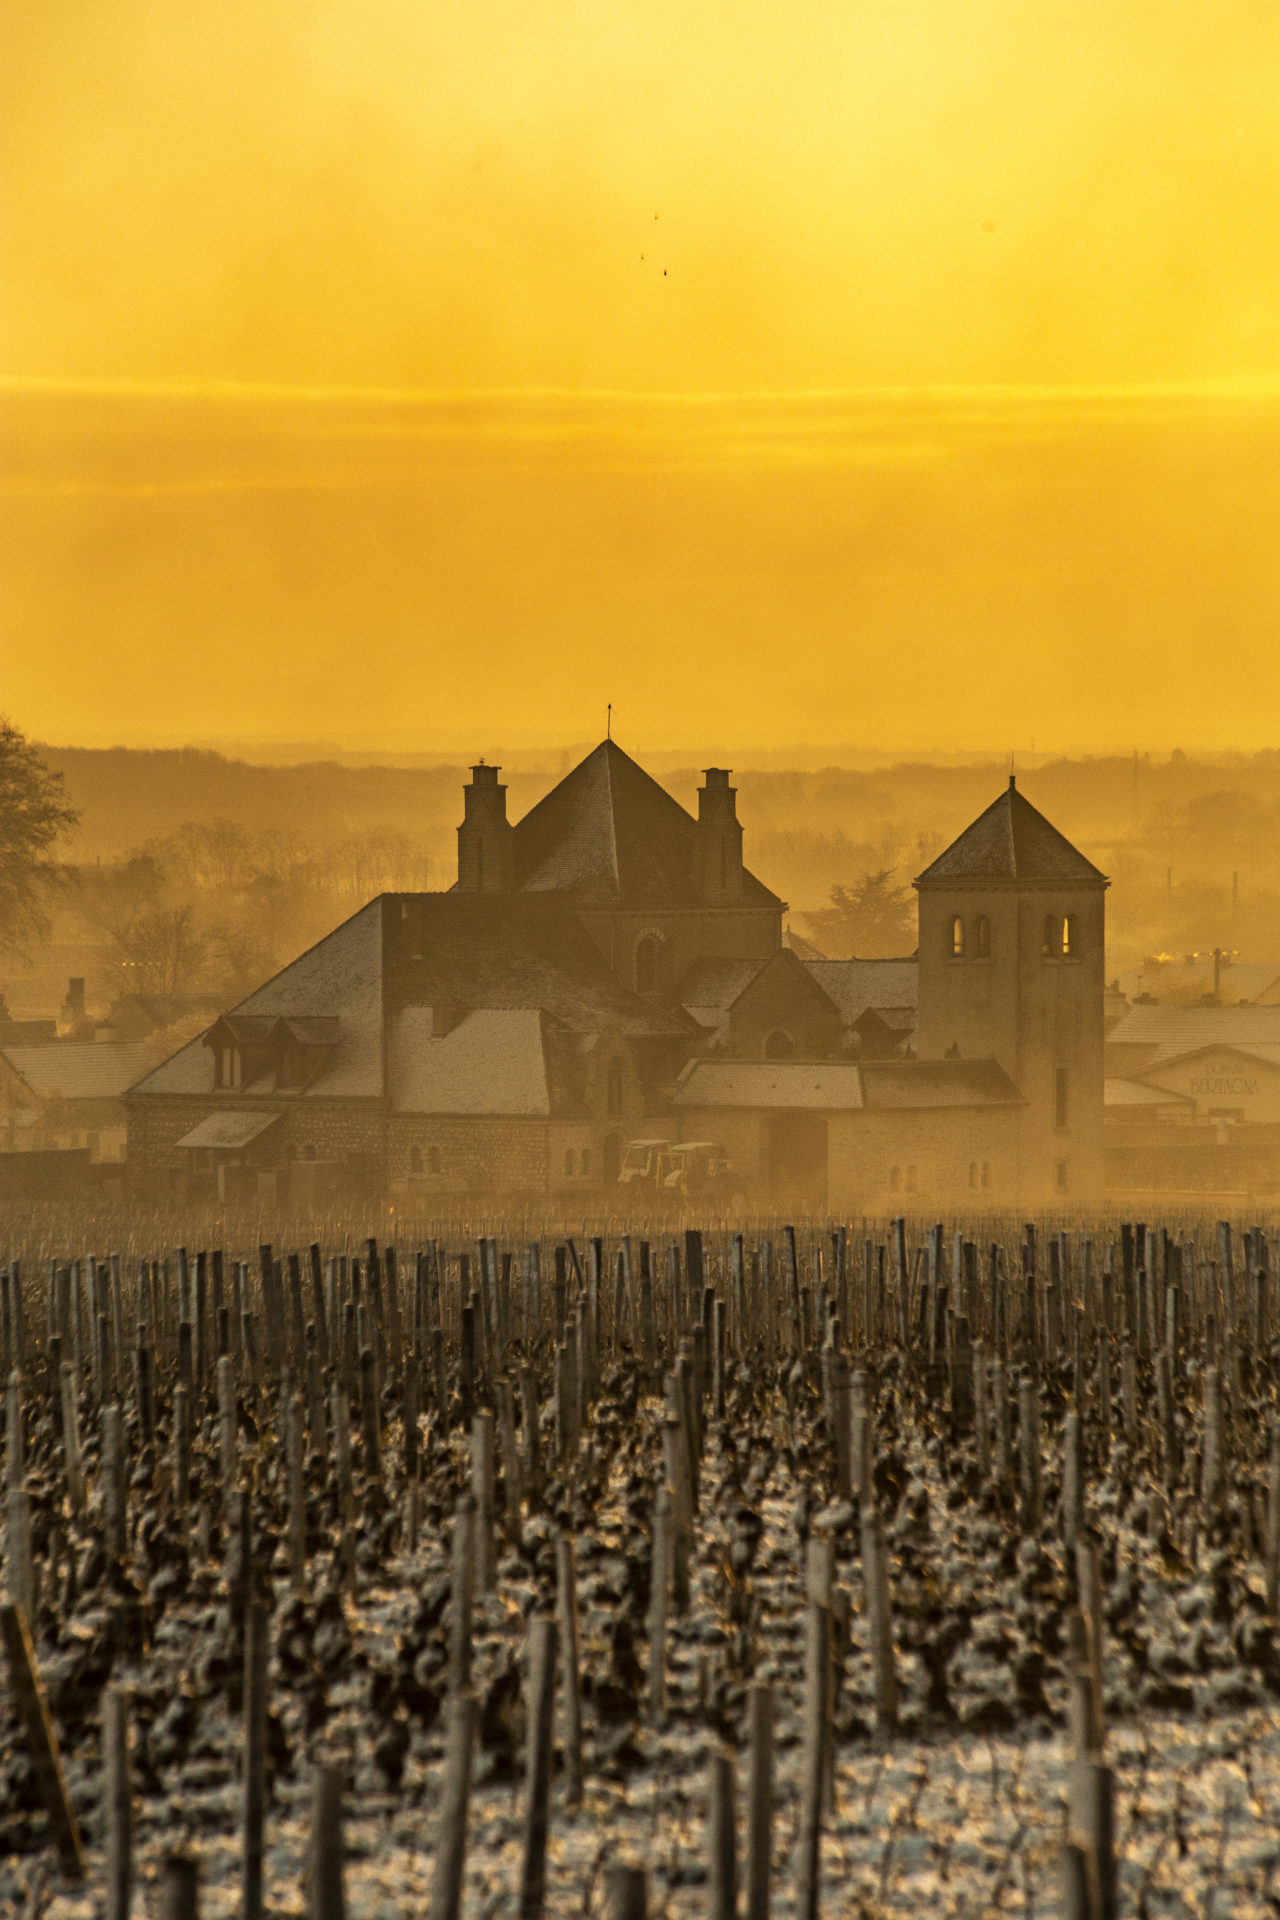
x,y
486,850
718,847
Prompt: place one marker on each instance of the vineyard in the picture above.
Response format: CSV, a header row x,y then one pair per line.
x,y
812,1570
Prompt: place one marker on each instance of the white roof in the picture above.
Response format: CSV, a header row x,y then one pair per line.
x,y
491,1062
80,1069
227,1129
1185,1029
1118,1092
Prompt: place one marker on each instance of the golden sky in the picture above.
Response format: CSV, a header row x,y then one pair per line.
x,y
431,373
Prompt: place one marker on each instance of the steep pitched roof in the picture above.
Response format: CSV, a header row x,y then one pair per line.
x,y
513,950
1012,841
610,836
339,980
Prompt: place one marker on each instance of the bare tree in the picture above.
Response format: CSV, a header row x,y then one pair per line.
x,y
34,814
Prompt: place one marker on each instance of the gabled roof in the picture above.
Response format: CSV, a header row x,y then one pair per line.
x,y
1117,1092
610,836
856,985
1012,841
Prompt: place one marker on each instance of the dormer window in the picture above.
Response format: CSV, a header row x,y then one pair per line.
x,y
229,1067
956,944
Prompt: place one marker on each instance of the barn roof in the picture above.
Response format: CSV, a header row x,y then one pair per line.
x,y
1012,841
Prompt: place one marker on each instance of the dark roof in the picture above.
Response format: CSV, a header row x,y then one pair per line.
x,y
845,1085
1012,840
509,950
610,836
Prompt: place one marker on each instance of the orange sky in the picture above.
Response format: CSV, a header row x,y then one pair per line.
x,y
431,373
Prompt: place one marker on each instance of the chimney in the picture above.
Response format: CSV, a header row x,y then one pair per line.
x,y
486,851
717,860
72,1019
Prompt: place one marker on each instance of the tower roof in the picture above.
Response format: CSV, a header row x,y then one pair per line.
x,y
610,836
1012,841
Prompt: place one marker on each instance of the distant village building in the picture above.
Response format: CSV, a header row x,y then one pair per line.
x,y
1193,1099
607,969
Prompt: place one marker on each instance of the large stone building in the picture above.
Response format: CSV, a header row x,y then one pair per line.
x,y
607,969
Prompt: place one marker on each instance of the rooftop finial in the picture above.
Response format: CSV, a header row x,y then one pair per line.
x,y
608,721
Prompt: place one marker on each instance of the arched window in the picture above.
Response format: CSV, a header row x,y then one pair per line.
x,y
956,947
973,1173
986,1173
982,938
568,1160
613,1087
584,1165
415,1159
779,1045
1070,942
1051,943
895,1180
433,1160
911,1179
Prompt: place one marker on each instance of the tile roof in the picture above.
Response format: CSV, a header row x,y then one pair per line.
x,y
1011,841
492,1062
855,985
80,1070
845,1086
339,978
609,835
1186,1029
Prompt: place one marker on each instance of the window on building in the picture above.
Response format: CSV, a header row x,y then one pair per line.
x,y
1061,1097
982,938
911,1179
956,946
613,1087
1060,1176
986,1173
895,1180
648,963
415,1159
568,1160
973,1173
1051,939
1070,938
433,1160
584,1165
228,1059
309,1152
779,1045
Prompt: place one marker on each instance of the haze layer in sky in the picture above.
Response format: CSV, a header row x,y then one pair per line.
x,y
435,372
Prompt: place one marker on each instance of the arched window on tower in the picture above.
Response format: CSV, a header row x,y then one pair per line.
x,y
1070,938
1051,942
648,963
956,944
585,1163
982,938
